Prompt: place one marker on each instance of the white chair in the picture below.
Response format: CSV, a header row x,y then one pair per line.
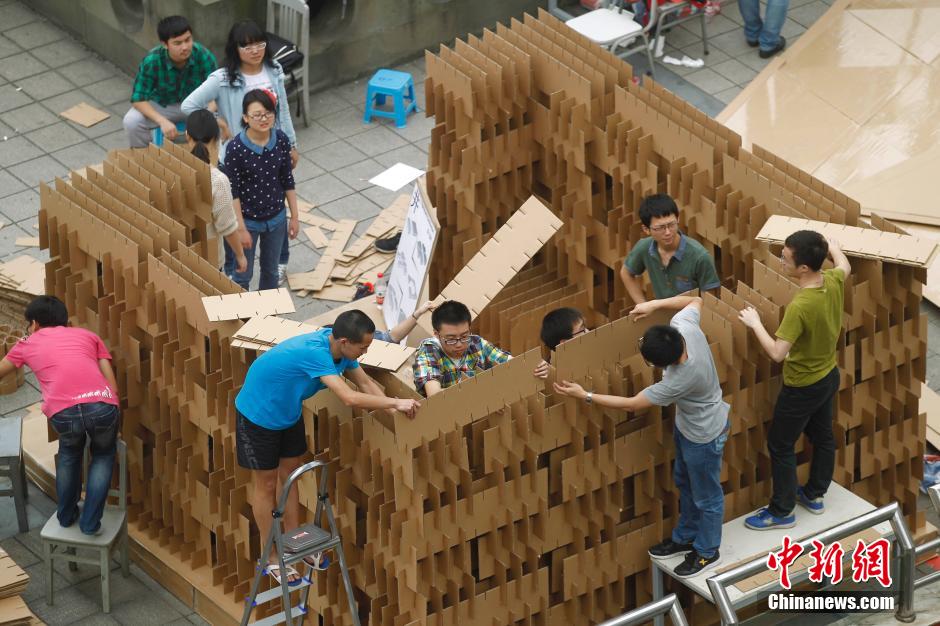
x,y
613,28
63,543
290,19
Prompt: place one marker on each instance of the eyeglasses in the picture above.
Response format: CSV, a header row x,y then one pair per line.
x,y
456,340
664,227
584,330
254,47
260,117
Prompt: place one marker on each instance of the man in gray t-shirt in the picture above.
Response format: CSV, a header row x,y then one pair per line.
x,y
691,382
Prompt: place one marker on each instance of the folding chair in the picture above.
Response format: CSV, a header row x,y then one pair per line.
x,y
290,19
613,28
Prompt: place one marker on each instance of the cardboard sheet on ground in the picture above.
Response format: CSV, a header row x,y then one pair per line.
x,y
248,304
85,114
856,241
856,103
25,273
263,333
396,177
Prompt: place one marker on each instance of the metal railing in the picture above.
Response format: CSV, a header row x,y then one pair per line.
x,y
669,604
929,546
892,512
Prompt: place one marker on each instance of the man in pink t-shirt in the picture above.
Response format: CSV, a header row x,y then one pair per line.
x,y
79,396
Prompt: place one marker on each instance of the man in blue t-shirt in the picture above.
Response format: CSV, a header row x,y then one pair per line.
x,y
270,438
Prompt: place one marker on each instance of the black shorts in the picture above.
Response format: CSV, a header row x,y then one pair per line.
x,y
260,448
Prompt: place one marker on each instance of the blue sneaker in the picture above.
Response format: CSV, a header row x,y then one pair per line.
x,y
763,520
813,505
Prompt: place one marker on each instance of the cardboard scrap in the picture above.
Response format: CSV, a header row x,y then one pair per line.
x,y
316,237
85,114
24,273
27,241
248,304
13,579
339,293
856,241
263,333
15,612
385,224
316,220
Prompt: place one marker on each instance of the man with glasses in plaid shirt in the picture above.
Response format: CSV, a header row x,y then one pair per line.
x,y
452,354
169,73
675,263
690,381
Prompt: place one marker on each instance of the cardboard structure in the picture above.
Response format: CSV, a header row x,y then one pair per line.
x,y
500,502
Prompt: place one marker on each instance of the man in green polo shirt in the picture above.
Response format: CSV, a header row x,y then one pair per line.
x,y
807,342
675,262
169,73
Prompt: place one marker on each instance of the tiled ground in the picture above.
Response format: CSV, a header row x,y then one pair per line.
x,y
43,71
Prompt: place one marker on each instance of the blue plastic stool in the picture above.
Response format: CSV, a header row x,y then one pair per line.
x,y
157,133
399,86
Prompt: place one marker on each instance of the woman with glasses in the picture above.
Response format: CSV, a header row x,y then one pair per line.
x,y
248,65
674,262
259,170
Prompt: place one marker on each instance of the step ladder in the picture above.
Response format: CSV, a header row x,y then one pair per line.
x,y
293,547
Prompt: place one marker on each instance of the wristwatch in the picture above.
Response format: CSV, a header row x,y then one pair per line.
x,y
589,398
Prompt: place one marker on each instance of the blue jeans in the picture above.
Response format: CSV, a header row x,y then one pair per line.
x,y
99,422
766,33
697,474
273,240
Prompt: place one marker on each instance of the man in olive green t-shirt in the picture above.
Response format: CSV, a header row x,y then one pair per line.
x,y
676,263
807,342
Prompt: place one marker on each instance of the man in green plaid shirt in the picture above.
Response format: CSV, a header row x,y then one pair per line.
x,y
453,354
169,73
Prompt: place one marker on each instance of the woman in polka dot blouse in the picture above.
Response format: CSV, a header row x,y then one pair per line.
x,y
258,164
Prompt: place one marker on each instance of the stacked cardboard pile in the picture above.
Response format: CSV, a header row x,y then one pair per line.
x,y
500,502
341,269
13,581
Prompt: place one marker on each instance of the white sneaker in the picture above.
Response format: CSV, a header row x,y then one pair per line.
x,y
281,274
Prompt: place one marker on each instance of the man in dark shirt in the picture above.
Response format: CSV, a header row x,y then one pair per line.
x,y
169,73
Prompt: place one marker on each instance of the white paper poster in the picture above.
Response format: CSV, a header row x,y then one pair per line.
x,y
411,261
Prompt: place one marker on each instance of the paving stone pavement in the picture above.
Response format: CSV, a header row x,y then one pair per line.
x,y
43,71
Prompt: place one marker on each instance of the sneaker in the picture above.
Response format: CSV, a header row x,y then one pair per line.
x,y
669,548
281,273
695,563
766,54
813,505
388,246
752,44
763,520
